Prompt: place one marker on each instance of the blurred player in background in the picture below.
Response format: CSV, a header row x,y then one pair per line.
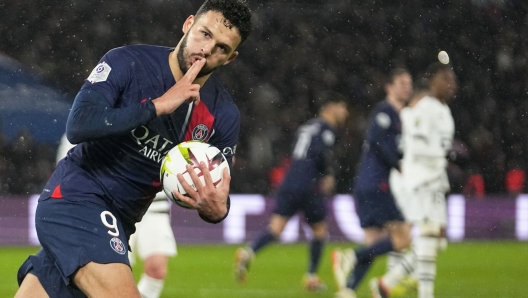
x,y
154,243
375,205
427,136
138,103
309,179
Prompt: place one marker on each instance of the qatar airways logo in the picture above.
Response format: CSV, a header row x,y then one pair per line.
x,y
154,146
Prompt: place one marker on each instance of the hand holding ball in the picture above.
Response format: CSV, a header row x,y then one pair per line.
x,y
190,153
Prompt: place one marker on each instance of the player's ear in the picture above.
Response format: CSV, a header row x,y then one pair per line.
x,y
187,24
231,58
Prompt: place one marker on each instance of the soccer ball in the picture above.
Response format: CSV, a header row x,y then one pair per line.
x,y
192,153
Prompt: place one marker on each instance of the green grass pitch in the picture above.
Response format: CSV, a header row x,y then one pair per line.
x,y
469,269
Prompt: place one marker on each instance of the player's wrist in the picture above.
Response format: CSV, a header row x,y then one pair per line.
x,y
159,106
217,217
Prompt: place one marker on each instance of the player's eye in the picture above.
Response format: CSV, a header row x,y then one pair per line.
x,y
206,34
222,48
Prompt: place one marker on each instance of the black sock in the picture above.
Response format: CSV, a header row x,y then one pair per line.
x,y
316,248
365,257
261,241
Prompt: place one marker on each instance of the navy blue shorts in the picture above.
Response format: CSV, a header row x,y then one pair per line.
x,y
376,207
73,233
289,202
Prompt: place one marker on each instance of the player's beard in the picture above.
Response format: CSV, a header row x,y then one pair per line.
x,y
182,61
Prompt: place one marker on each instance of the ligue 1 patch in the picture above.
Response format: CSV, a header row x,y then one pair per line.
x,y
99,73
200,132
117,245
383,120
328,138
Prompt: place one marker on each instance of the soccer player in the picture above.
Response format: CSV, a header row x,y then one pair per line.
x,y
138,103
309,179
428,130
375,205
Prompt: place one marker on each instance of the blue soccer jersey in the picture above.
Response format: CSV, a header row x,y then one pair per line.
x,y
121,156
312,156
380,149
375,204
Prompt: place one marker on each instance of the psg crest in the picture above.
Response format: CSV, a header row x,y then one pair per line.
x,y
200,132
117,245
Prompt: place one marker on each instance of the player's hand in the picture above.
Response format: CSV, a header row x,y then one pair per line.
x,y
327,185
183,90
209,200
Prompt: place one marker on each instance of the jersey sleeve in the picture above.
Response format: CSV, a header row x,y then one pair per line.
x,y
379,140
94,114
111,75
330,163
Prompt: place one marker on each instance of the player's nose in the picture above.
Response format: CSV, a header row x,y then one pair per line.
x,y
207,48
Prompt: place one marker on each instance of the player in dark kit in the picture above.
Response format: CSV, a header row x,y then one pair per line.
x,y
375,205
308,181
138,103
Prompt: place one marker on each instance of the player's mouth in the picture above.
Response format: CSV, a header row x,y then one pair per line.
x,y
196,58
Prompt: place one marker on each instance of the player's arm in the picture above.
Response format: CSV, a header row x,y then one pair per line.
x,y
382,145
330,164
92,117
94,113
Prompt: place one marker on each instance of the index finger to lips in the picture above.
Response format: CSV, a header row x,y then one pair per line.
x,y
195,69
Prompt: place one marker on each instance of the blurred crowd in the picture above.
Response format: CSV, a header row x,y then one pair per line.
x,y
300,49
25,165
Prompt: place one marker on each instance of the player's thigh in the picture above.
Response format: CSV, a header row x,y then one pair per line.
x,y
154,236
43,266
31,288
106,280
75,233
287,203
426,205
376,207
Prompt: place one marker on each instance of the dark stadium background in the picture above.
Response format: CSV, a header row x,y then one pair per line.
x,y
298,49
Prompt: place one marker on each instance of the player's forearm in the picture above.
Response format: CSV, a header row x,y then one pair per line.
x,y
92,117
388,154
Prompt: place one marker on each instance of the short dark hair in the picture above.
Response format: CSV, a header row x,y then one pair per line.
x,y
326,97
236,13
395,73
434,68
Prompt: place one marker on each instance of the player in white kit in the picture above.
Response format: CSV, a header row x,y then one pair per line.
x,y
154,243
427,134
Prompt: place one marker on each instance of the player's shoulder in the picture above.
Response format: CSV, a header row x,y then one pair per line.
x,y
382,106
223,100
432,108
139,51
429,102
384,115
